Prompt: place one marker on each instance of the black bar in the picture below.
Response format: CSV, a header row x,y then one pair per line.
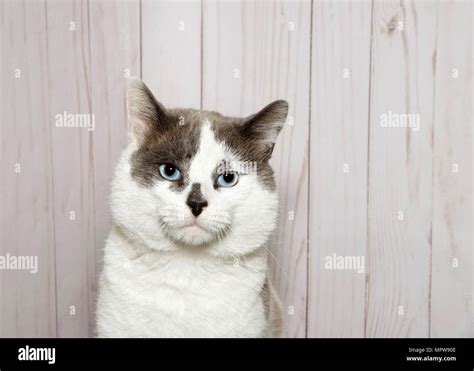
x,y
89,352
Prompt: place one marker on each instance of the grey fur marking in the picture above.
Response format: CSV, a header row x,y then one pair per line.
x,y
172,136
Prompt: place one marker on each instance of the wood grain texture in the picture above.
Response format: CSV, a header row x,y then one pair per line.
x,y
73,168
171,51
28,300
452,280
254,53
115,55
400,170
339,133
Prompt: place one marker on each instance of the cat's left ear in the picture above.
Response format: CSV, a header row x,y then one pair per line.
x,y
266,124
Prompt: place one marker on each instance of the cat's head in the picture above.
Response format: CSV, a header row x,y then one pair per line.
x,y
197,178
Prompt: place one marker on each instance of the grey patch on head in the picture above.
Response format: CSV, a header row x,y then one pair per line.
x,y
253,138
174,138
174,143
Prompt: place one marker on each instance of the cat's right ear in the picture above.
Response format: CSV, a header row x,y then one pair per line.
x,y
145,113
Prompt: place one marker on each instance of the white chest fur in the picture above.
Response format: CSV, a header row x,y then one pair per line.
x,y
184,293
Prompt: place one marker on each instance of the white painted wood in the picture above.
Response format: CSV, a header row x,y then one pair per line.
x,y
451,285
171,51
115,55
338,172
400,170
73,168
28,301
254,53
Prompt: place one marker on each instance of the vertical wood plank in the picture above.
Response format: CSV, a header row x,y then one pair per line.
x,y
400,169
171,51
452,259
338,172
254,53
115,55
28,300
72,158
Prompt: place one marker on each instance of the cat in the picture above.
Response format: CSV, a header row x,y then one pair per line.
x,y
193,203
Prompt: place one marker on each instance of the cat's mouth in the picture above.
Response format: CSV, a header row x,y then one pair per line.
x,y
194,226
193,234
192,230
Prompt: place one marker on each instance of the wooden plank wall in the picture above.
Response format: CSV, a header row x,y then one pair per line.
x,y
452,250
338,173
401,198
28,301
400,170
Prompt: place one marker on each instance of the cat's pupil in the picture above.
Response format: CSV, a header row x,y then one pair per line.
x,y
170,170
228,177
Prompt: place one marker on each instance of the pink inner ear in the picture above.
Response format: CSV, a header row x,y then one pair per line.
x,y
136,130
139,126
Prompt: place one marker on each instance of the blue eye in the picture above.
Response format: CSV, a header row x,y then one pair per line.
x,y
229,179
170,172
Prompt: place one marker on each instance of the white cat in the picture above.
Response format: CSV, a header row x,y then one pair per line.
x,y
194,203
